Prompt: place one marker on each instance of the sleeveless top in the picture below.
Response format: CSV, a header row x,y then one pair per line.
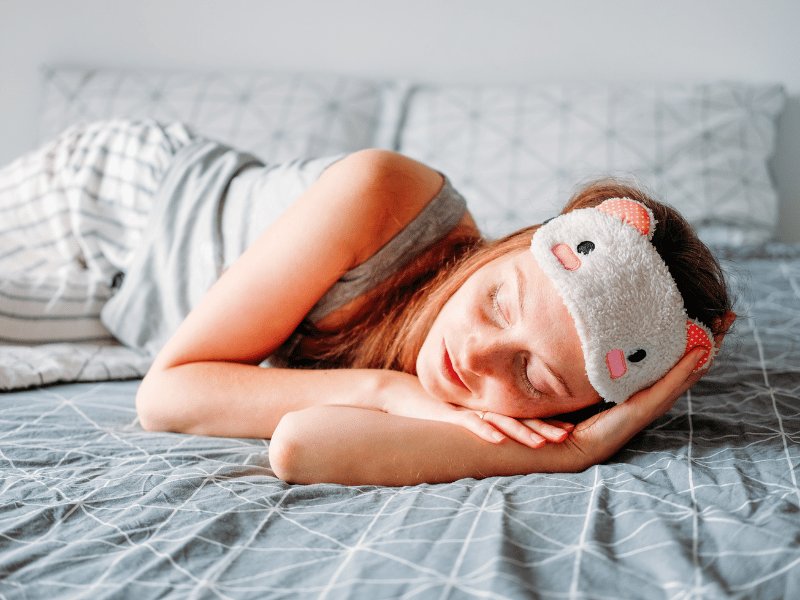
x,y
430,226
212,203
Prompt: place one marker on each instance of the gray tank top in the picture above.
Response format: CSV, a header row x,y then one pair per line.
x,y
430,226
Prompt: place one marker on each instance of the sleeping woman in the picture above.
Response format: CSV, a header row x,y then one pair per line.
x,y
375,337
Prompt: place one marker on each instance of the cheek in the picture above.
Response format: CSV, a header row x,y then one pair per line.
x,y
429,362
424,365
504,398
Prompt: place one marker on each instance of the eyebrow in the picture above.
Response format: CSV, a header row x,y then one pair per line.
x,y
521,299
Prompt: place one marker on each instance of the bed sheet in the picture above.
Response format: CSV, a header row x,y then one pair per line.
x,y
705,503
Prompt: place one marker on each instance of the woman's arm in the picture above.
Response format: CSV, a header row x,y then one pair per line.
x,y
353,446
205,379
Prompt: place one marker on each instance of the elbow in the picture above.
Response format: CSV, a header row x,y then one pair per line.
x,y
151,405
288,454
308,447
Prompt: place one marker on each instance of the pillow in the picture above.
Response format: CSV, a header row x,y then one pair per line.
x,y
517,153
275,116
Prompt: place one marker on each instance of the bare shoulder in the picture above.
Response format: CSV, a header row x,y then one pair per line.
x,y
357,205
387,191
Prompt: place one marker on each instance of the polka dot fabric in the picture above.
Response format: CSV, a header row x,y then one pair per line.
x,y
695,338
631,212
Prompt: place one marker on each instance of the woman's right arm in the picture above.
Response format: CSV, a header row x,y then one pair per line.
x,y
206,379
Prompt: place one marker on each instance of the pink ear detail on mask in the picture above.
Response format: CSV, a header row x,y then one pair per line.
x,y
696,338
629,211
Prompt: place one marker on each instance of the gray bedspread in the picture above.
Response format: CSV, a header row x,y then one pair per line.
x,y
703,504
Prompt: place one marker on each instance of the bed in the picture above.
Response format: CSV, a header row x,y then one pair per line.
x,y
705,503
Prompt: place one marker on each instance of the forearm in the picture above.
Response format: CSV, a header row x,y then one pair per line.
x,y
357,447
239,400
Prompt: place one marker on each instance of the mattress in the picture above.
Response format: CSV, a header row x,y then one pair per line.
x,y
703,503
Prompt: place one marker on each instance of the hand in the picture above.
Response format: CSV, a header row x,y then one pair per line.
x,y
530,432
603,434
406,397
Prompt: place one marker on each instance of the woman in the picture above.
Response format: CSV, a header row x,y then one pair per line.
x,y
405,347
432,387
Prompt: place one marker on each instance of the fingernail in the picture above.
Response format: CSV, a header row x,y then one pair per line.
x,y
498,437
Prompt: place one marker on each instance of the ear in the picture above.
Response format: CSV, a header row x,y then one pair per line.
x,y
632,212
698,336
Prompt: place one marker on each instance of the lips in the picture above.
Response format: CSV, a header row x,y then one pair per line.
x,y
450,372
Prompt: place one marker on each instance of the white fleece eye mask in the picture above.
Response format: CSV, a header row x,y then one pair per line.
x,y
627,308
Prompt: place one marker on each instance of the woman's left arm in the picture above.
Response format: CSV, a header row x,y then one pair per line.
x,y
355,446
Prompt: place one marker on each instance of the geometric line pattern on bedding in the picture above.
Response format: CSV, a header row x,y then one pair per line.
x,y
276,116
702,504
518,152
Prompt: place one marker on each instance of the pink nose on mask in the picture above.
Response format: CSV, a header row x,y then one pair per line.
x,y
566,257
615,361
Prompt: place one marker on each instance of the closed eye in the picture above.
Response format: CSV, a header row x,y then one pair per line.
x,y
529,388
521,367
496,308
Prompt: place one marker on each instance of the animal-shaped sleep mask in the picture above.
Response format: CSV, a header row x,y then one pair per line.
x,y
626,306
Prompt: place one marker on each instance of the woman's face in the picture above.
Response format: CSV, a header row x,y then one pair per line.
x,y
505,343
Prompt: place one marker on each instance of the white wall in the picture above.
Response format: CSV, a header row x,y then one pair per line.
x,y
449,40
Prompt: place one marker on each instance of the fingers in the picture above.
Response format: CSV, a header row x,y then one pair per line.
x,y
684,370
551,430
480,426
724,324
561,424
680,373
652,402
516,430
530,432
606,432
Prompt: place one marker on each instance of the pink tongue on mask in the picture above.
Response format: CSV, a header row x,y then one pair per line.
x,y
615,360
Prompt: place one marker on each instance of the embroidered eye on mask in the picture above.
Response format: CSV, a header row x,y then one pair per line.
x,y
627,308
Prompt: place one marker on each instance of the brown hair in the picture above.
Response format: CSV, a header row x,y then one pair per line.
x,y
389,329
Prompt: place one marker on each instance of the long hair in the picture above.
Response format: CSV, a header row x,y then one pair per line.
x,y
389,329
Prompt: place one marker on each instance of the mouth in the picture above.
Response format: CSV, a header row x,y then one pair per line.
x,y
450,372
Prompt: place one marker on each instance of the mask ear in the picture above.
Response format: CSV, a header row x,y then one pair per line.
x,y
632,212
698,335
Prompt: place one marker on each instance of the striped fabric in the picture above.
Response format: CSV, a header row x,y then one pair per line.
x,y
71,213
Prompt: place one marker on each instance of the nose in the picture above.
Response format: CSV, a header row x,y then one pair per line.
x,y
485,352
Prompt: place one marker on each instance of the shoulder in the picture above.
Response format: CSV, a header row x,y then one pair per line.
x,y
386,192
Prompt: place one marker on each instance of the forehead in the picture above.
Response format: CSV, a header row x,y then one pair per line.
x,y
545,319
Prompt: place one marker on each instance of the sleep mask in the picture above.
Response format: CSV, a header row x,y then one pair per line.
x,y
626,306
